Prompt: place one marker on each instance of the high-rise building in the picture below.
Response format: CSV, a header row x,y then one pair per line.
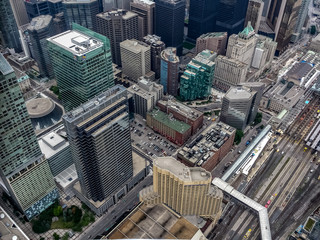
x,y
241,46
229,72
114,4
99,135
145,95
36,8
254,13
145,11
231,16
237,106
303,13
157,46
20,12
169,22
202,18
39,30
170,71
9,34
186,190
264,52
282,19
25,173
82,12
215,41
135,58
197,79
82,64
117,25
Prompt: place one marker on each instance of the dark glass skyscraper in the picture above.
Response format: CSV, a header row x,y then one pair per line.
x,y
231,16
24,171
169,22
202,18
36,8
99,137
9,34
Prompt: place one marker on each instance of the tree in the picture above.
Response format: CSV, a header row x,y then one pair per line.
x,y
238,136
258,118
65,236
57,211
313,29
77,215
56,236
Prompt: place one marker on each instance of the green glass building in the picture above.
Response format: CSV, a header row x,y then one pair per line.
x,y
196,81
82,65
25,173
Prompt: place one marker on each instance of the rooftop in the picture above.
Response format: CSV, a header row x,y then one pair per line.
x,y
169,54
5,67
184,110
51,144
213,34
206,57
153,39
154,222
76,42
187,174
116,13
300,70
135,45
79,1
169,121
144,2
39,22
238,93
67,176
207,143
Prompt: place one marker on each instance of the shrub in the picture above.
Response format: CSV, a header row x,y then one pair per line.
x,y
56,236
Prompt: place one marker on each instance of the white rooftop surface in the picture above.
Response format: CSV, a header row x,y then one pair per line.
x,y
67,177
76,42
147,2
261,210
245,168
182,171
238,93
49,144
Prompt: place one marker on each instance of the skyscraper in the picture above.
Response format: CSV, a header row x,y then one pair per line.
x,y
202,18
303,12
19,11
254,13
135,58
24,171
39,30
157,46
117,26
197,79
99,136
186,190
82,12
237,106
82,64
215,41
145,11
9,34
169,71
169,22
36,8
231,16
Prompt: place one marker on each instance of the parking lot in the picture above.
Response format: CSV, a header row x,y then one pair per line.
x,y
148,141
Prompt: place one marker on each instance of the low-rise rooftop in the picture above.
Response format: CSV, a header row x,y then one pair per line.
x,y
169,121
51,144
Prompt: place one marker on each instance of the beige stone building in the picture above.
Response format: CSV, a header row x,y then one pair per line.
x,y
186,190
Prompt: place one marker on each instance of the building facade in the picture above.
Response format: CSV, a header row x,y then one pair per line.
x,y
197,79
39,30
35,8
118,26
135,58
169,22
169,71
183,113
157,46
176,131
264,52
99,135
202,18
242,46
229,72
231,16
185,190
254,14
214,41
145,96
81,12
145,11
299,28
20,12
82,65
9,34
236,107
25,173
